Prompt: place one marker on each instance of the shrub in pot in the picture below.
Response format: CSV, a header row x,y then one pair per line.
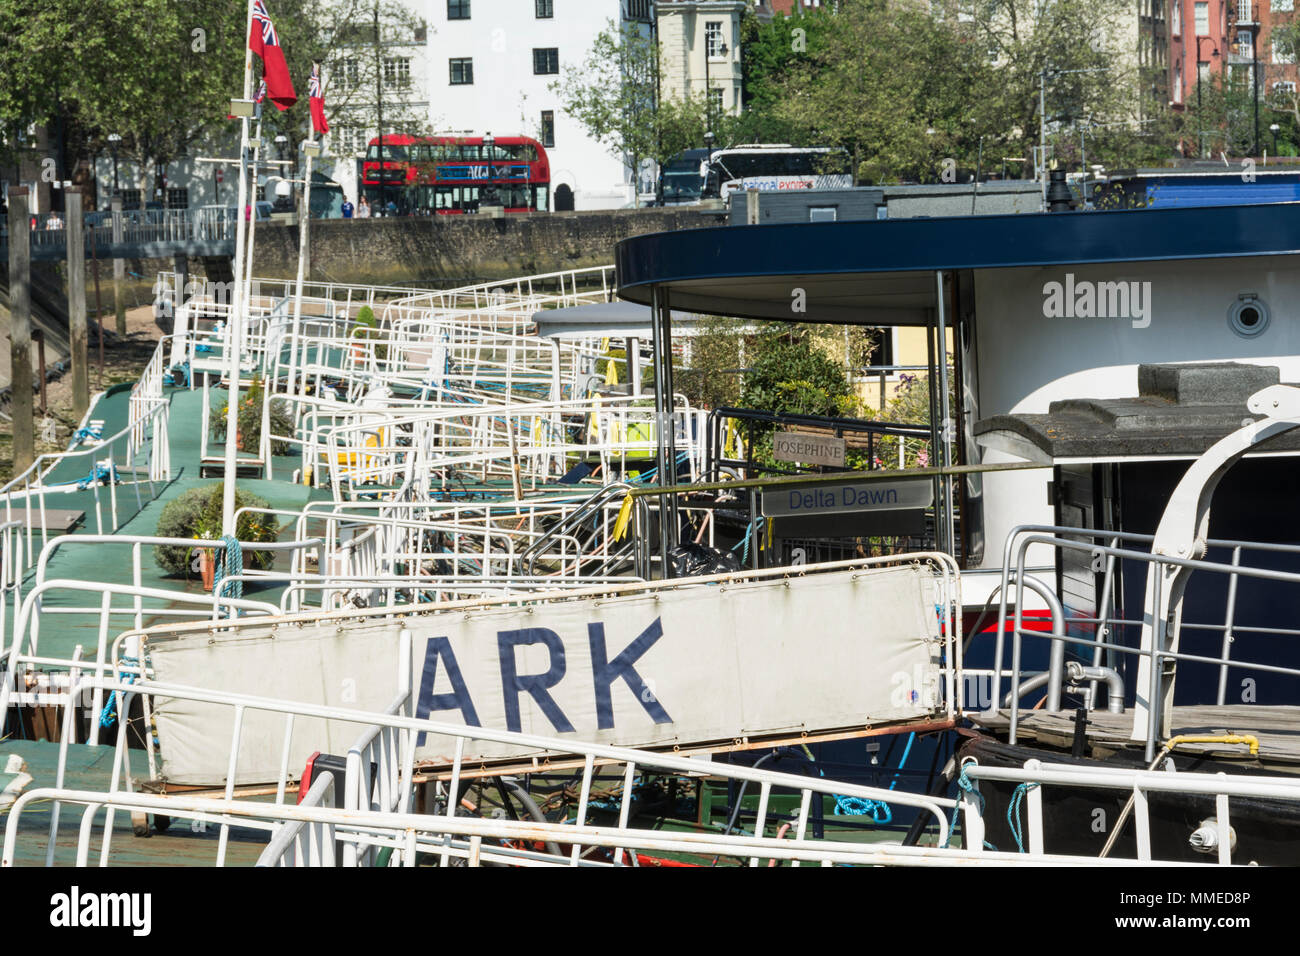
x,y
197,513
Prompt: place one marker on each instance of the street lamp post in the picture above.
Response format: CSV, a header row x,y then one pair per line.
x,y
113,140
708,83
489,191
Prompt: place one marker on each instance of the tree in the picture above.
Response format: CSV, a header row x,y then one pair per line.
x,y
789,375
159,72
1224,118
1284,98
770,52
1093,82
627,114
890,83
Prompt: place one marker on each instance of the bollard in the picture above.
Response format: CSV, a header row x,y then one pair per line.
x,y
20,329
119,277
76,306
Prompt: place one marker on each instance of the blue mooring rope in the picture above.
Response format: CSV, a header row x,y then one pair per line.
x,y
964,783
108,714
232,564
1013,813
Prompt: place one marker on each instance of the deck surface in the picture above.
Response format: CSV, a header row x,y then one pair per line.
x,y
90,768
1278,728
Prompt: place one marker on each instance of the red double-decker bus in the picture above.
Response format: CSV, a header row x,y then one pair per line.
x,y
455,174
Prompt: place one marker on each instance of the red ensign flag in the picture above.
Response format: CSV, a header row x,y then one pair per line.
x,y
316,97
263,41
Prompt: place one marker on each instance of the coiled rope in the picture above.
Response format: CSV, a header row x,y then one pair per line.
x,y
230,566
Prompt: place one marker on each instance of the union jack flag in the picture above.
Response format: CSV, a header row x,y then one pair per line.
x,y
313,82
261,91
262,18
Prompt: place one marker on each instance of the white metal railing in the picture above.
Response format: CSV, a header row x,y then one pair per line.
x,y
1037,775
1097,623
388,741
110,462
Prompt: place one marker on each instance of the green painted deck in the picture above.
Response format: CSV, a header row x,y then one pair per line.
x,y
60,633
90,768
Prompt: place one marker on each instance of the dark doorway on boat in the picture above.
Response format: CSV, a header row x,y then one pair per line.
x,y
563,198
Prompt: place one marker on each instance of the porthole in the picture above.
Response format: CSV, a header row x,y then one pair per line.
x,y
1248,316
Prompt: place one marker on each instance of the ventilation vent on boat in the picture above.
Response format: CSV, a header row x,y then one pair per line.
x,y
1248,316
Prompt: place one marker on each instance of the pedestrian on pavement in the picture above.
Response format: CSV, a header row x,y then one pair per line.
x,y
363,211
347,208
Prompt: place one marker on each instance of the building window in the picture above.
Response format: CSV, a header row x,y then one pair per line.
x,y
545,9
548,128
130,198
713,39
397,72
639,10
715,102
822,213
457,9
1282,6
1243,12
1202,19
345,75
546,60
345,140
1284,55
178,199
462,71
1245,43
1178,82
1178,18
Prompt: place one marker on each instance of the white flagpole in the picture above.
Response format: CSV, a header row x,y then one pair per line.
x,y
303,236
235,320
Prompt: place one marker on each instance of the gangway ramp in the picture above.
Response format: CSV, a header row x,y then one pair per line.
x,y
712,663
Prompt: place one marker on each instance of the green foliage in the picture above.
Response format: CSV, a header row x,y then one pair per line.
x,y
624,116
787,375
366,317
160,72
905,90
713,379
771,53
196,513
248,421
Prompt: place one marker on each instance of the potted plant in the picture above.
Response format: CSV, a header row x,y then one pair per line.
x,y
206,528
248,421
196,513
365,323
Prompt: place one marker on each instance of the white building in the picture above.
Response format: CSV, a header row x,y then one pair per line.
x,y
487,66
700,50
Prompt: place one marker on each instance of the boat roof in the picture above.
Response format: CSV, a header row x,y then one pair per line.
x,y
619,319
881,272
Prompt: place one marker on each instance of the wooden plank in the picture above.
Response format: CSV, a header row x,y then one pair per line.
x,y
56,519
1278,728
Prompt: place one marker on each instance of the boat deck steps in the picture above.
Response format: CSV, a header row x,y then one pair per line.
x,y
1278,729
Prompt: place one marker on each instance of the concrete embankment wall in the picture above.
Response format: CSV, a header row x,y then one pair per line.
x,y
461,248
